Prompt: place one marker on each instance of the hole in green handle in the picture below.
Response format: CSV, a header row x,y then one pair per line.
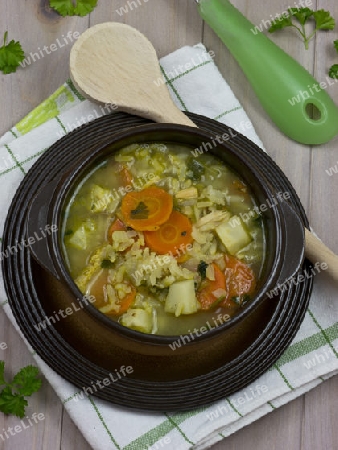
x,y
313,112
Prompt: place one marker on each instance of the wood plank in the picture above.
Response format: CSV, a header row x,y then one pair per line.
x,y
182,24
320,414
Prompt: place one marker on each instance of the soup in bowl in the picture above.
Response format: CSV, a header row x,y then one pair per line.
x,y
167,239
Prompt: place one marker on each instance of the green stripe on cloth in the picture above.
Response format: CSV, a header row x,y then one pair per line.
x,y
188,71
332,332
4,303
47,110
179,98
272,406
323,332
24,162
14,159
61,124
71,397
155,434
14,134
286,381
225,113
74,90
179,430
151,437
234,408
301,348
104,423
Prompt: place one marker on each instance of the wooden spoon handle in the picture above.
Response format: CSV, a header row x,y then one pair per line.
x,y
317,252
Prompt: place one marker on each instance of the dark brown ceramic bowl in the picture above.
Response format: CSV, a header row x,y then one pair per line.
x,y
284,237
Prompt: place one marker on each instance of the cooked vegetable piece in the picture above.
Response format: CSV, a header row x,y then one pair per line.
x,y
206,294
174,233
126,176
117,225
138,319
100,199
187,193
117,306
105,252
147,209
79,239
233,234
196,168
240,280
181,298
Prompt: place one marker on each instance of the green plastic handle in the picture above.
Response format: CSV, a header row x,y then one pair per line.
x,y
294,100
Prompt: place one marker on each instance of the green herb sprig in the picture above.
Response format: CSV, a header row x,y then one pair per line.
x,y
12,395
11,55
322,20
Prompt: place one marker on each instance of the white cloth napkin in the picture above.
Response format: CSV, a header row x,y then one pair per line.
x,y
197,86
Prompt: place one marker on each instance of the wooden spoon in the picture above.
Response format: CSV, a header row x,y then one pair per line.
x,y
114,63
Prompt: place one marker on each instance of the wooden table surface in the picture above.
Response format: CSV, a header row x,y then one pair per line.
x,y
308,423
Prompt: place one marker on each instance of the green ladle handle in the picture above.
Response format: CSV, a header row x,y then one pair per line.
x,y
294,100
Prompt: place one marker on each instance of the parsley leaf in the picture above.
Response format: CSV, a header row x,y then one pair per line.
x,y
68,8
26,381
106,264
11,55
335,43
24,384
202,269
322,19
301,14
12,403
333,72
141,211
278,24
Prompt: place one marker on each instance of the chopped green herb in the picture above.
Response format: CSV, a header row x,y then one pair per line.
x,y
241,299
24,384
196,168
217,302
106,264
141,211
202,269
184,233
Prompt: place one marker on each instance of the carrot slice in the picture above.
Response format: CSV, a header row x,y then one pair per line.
x,y
205,295
146,210
117,225
126,302
172,235
240,279
126,176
